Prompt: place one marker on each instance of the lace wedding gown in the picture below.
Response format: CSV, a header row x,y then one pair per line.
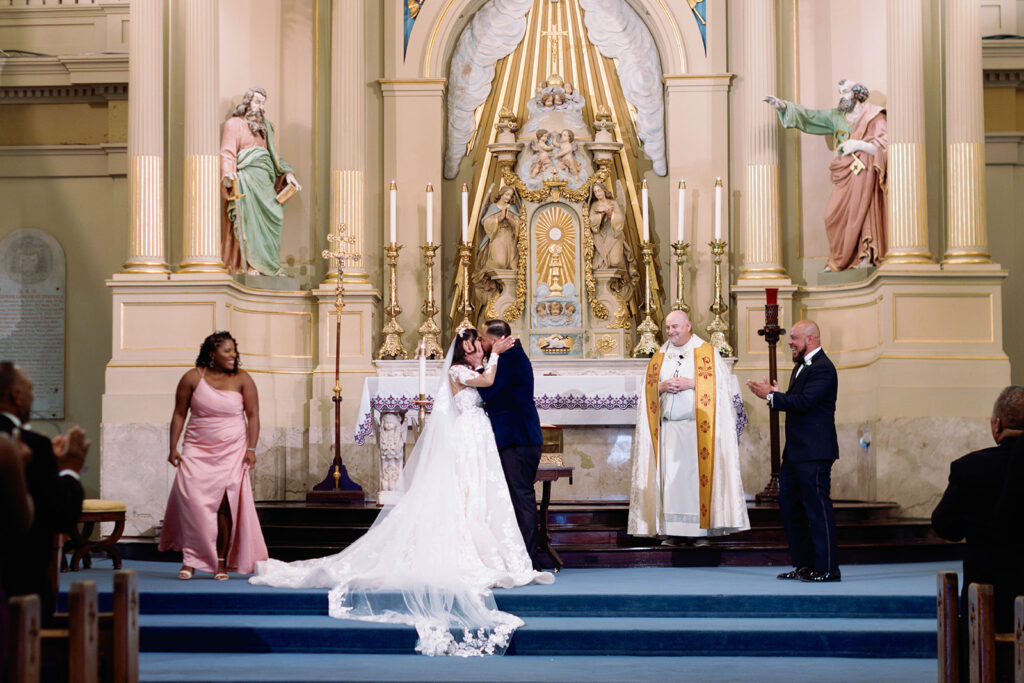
x,y
431,559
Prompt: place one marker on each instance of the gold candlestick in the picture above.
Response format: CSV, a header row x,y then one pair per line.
x,y
718,327
392,348
465,254
429,331
648,343
680,248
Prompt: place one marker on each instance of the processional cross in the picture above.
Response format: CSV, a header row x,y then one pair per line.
x,y
337,483
554,37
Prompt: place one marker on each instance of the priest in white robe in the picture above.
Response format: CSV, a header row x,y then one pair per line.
x,y
686,463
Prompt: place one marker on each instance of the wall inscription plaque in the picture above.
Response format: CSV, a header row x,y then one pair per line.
x,y
32,302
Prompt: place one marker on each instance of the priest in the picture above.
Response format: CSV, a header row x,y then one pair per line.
x,y
686,464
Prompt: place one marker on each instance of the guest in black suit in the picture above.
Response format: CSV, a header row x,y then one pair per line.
x,y
805,480
53,482
510,406
983,503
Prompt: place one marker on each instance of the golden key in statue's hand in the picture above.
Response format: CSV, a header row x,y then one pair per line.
x,y
856,166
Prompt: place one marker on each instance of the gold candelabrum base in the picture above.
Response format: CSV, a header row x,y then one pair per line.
x,y
421,403
430,333
465,255
648,344
391,348
718,328
680,248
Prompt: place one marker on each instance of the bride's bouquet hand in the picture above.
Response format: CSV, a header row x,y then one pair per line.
x,y
503,344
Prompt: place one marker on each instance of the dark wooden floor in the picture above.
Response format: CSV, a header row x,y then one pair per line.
x,y
593,534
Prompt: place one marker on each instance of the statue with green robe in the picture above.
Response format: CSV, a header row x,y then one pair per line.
x,y
855,216
253,177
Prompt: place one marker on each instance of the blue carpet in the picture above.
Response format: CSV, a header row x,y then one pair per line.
x,y
591,624
245,668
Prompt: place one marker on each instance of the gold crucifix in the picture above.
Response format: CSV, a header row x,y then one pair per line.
x,y
554,38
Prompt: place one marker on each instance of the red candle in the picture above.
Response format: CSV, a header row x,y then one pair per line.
x,y
772,296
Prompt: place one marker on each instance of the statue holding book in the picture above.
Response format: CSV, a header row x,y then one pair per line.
x,y
256,183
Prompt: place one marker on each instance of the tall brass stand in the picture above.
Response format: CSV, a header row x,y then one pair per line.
x,y
648,343
680,248
430,333
391,348
465,255
718,328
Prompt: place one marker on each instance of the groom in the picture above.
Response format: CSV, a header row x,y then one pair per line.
x,y
509,404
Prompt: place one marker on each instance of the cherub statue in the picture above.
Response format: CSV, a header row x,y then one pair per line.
x,y
542,149
566,154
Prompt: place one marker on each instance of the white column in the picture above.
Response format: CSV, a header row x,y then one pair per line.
x,y
201,253
348,129
908,202
762,253
147,239
966,236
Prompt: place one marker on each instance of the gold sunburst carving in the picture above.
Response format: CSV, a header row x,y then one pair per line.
x,y
556,249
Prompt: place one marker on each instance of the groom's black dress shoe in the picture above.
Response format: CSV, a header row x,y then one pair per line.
x,y
798,573
822,577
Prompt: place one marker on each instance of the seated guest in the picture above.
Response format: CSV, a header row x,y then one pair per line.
x,y
211,516
982,503
52,478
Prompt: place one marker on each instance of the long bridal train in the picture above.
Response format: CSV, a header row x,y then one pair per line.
x,y
431,559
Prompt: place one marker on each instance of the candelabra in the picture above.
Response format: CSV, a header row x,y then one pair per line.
x,y
648,343
718,327
337,485
465,254
391,348
422,400
680,248
429,331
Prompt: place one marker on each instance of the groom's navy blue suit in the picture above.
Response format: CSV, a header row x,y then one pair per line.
x,y
509,404
805,480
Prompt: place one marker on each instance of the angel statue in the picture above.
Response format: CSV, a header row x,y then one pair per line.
x,y
542,149
497,249
566,154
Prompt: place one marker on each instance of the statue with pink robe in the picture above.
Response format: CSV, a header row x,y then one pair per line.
x,y
855,217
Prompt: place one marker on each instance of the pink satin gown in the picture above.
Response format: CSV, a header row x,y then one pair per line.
x,y
212,467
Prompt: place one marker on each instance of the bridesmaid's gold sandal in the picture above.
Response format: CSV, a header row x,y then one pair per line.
x,y
186,573
222,575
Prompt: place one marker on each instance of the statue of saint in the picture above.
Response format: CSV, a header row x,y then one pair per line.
x,y
855,217
607,223
252,175
497,249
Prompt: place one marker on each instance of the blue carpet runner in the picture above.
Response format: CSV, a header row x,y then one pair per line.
x,y
603,620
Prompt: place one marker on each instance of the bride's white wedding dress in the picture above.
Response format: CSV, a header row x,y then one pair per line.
x,y
431,559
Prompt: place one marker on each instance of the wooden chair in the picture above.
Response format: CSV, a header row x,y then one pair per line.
x,y
948,603
991,653
23,653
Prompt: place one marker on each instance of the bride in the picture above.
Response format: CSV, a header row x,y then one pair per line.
x,y
431,559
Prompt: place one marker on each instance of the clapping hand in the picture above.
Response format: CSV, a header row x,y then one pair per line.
x,y
70,448
763,388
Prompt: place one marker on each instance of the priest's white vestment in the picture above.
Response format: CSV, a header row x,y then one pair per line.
x,y
674,492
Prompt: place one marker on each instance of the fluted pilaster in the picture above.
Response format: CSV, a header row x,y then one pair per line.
x,y
966,235
762,254
908,204
348,129
201,252
147,239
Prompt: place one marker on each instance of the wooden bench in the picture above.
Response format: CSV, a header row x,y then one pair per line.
x,y
949,627
992,656
89,645
95,510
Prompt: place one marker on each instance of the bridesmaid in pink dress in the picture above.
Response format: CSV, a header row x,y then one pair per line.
x,y
211,516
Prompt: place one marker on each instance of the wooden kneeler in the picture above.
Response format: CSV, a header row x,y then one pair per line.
x,y
988,647
948,603
23,657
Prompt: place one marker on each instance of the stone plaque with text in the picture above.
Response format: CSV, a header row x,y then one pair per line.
x,y
32,301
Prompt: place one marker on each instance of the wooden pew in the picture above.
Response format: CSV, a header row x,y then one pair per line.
x,y
948,603
79,629
23,655
993,656
125,627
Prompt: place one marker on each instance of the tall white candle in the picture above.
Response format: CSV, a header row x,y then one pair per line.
x,y
422,353
643,205
682,211
394,211
465,212
430,213
718,208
